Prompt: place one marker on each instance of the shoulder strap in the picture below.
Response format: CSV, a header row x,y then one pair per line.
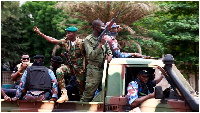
x,y
79,42
27,84
67,45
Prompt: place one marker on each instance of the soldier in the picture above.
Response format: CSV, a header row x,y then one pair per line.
x,y
96,53
70,81
112,41
39,82
75,49
19,70
56,62
141,88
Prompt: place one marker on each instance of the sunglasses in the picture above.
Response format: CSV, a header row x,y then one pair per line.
x,y
25,58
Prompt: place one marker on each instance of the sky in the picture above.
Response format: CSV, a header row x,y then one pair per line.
x,y
21,2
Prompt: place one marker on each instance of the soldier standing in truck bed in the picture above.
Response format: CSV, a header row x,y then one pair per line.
x,y
96,53
112,41
75,49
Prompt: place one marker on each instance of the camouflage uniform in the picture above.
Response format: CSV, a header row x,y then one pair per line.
x,y
78,60
95,58
115,48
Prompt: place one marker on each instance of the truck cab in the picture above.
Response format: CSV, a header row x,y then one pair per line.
x,y
172,94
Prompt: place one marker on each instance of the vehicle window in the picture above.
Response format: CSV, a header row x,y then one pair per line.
x,y
131,74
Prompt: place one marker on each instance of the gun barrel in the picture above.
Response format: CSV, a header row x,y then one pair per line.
x,y
108,27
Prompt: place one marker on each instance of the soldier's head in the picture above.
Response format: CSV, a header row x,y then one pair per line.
x,y
143,76
98,26
25,58
71,33
113,30
38,60
56,61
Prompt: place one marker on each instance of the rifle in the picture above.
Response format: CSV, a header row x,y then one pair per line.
x,y
68,61
149,57
108,27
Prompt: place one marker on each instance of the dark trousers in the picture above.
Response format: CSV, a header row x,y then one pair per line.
x,y
73,93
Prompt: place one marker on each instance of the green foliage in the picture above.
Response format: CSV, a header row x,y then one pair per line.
x,y
176,26
149,47
47,18
13,45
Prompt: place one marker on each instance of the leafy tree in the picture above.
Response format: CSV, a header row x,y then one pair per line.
x,y
47,18
176,26
13,45
106,10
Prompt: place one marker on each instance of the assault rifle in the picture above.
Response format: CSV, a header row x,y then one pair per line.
x,y
108,27
147,57
68,61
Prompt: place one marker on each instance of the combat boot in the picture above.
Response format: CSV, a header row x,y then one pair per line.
x,y
63,97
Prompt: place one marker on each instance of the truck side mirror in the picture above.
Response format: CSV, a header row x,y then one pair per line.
x,y
158,92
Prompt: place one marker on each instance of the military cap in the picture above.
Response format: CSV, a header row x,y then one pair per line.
x,y
71,29
57,59
39,56
143,73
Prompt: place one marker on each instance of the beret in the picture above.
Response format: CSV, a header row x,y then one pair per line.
x,y
57,59
71,29
39,56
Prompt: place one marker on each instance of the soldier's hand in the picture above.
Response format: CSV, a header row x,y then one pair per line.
x,y
103,40
109,58
139,55
53,99
37,30
119,29
23,67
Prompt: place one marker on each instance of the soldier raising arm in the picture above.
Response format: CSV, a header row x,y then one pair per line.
x,y
75,49
48,38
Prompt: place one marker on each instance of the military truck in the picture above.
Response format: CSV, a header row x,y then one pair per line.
x,y
173,93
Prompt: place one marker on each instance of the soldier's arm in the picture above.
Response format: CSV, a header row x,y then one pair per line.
x,y
54,84
21,86
109,53
141,99
15,75
160,77
18,73
48,38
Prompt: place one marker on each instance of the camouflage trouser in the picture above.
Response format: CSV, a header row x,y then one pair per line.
x,y
93,81
65,71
